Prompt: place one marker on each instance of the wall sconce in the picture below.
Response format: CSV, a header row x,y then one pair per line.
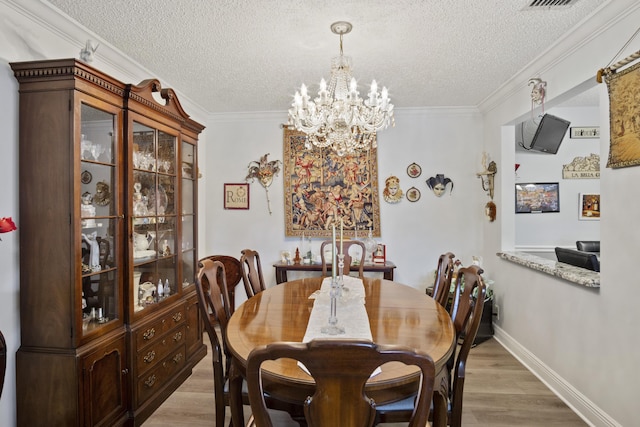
x,y
487,176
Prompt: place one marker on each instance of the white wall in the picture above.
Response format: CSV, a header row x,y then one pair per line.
x,y
546,231
440,141
578,340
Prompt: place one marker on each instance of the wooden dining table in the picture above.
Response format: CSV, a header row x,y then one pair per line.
x,y
398,315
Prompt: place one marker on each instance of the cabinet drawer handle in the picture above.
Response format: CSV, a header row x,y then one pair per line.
x,y
177,358
125,371
150,381
148,334
177,317
177,336
150,356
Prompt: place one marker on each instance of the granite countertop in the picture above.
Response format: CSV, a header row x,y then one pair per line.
x,y
580,276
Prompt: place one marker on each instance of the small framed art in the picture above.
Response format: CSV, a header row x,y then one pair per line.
x,y
585,132
589,207
380,255
236,196
413,194
414,170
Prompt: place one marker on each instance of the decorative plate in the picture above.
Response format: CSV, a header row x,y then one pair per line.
x,y
414,170
86,177
413,194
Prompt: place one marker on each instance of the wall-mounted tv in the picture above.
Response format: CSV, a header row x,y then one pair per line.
x,y
542,134
537,197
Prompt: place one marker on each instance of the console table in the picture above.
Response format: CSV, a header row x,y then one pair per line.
x,y
282,268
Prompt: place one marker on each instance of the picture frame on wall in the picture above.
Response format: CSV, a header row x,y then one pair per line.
x,y
589,207
537,197
236,196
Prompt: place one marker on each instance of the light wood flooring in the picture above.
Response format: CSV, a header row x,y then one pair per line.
x,y
499,392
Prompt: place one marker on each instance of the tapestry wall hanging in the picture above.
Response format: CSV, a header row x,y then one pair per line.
x,y
322,189
624,117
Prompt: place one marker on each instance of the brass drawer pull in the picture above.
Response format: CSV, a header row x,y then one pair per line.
x,y
149,333
177,336
177,358
150,356
150,381
177,317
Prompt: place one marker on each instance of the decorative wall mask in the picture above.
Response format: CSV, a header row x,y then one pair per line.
x,y
392,192
438,184
538,92
490,211
264,171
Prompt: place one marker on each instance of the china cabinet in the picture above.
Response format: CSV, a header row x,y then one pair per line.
x,y
108,192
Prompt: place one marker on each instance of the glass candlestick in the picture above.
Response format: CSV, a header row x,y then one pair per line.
x,y
333,328
341,286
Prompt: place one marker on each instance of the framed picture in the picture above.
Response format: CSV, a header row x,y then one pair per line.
x,y
236,196
380,255
537,197
589,207
414,170
413,194
585,132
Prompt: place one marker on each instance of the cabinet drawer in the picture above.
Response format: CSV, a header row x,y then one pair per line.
x,y
149,383
156,329
159,348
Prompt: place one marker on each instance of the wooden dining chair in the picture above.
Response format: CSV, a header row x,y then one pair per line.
x,y
348,259
252,272
466,313
442,282
233,275
340,369
3,361
210,287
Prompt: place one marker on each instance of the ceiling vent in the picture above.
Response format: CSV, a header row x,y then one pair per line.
x,y
550,4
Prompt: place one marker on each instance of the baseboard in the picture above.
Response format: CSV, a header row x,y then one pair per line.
x,y
579,403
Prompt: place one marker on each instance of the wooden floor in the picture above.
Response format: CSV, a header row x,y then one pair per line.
x,y
499,392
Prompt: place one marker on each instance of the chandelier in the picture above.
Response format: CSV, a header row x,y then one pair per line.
x,y
338,118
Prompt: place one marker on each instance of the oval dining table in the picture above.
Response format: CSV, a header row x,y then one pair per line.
x,y
398,315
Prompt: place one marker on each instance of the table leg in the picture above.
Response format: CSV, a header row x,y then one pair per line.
x,y
281,275
235,396
440,398
388,275
439,409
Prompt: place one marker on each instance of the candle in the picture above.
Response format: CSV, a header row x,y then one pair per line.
x,y
341,241
333,253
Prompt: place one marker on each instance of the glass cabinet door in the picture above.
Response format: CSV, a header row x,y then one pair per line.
x,y
99,232
189,176
154,229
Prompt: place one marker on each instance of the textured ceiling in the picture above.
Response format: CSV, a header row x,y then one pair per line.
x,y
243,55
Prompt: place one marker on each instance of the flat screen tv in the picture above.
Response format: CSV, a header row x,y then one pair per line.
x,y
537,197
542,134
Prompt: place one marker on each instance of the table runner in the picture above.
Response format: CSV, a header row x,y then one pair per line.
x,y
350,311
